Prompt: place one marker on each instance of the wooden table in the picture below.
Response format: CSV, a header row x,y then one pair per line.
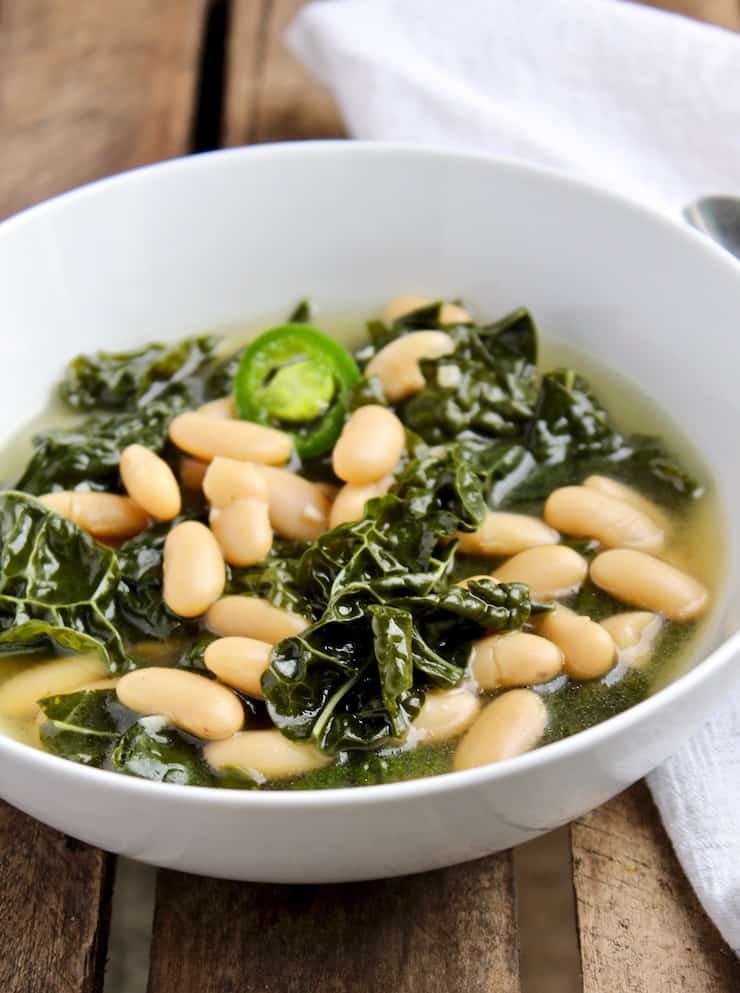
x,y
88,89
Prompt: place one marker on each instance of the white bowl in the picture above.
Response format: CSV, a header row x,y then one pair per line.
x,y
208,241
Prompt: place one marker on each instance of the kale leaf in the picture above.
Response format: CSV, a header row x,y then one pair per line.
x,y
57,585
81,726
151,750
127,380
89,454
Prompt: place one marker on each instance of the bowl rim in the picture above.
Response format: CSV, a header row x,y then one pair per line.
x,y
455,781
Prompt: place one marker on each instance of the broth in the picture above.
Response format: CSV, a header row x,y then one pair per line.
x,y
696,547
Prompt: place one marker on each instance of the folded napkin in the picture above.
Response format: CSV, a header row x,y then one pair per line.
x,y
635,99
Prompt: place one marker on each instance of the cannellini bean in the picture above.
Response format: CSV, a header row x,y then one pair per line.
x,y
397,365
634,633
299,509
265,755
587,647
206,437
612,488
349,504
192,472
514,659
243,531
224,407
450,313
227,480
150,482
550,571
253,617
650,584
506,534
193,568
369,446
446,714
200,706
239,662
106,516
510,725
20,693
585,512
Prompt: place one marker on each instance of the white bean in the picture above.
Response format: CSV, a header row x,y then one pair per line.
x,y
446,714
239,662
243,531
515,658
450,313
397,365
588,649
227,480
506,534
253,617
265,755
585,512
20,693
634,633
224,408
349,504
193,569
643,581
206,437
550,571
369,446
613,488
299,509
106,516
150,482
200,706
510,725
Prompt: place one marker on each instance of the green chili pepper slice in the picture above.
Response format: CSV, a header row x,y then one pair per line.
x,y
297,378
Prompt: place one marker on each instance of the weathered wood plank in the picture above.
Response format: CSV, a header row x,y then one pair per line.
x,y
641,927
86,89
270,96
90,88
725,13
54,907
439,932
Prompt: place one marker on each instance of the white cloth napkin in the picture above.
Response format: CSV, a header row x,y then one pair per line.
x,y
641,101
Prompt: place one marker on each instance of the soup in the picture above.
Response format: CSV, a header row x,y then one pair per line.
x,y
285,566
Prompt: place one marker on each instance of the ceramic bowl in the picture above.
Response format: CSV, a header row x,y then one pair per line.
x,y
206,242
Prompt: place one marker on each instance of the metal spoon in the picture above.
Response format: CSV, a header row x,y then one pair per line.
x,y
719,219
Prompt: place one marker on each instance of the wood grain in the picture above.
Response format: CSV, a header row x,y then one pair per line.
x,y
724,13
433,933
90,88
54,908
641,927
270,96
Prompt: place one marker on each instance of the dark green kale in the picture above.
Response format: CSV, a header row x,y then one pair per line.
x,y
81,726
118,381
57,585
389,625
151,750
64,458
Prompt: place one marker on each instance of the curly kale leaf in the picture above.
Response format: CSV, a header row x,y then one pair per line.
x,y
487,388
57,585
140,608
118,381
151,750
64,458
81,726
